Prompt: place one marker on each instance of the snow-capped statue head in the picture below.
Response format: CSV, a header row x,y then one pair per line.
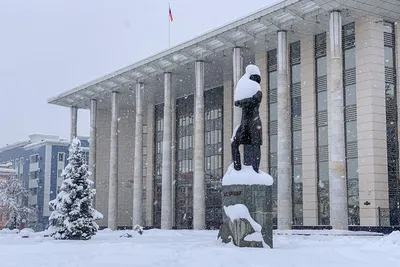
x,y
253,72
249,84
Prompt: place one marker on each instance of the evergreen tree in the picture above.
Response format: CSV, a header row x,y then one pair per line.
x,y
12,196
73,216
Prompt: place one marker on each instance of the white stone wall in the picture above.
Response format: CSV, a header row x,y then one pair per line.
x,y
103,162
126,148
371,119
309,133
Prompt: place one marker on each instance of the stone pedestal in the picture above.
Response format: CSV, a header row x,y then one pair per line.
x,y
247,212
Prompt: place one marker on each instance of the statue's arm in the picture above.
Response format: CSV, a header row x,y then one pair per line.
x,y
257,97
243,102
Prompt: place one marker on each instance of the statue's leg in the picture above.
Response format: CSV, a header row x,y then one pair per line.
x,y
248,155
235,150
256,157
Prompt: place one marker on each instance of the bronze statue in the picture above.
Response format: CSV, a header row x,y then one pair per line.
x,y
248,97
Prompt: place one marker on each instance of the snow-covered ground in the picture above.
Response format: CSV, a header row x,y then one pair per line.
x,y
197,248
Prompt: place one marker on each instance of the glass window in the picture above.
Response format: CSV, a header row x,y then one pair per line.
x,y
389,57
21,165
297,173
322,100
323,136
323,171
296,140
273,111
298,214
34,158
350,58
273,79
273,143
296,107
296,74
351,96
389,90
321,67
16,167
60,156
351,131
352,168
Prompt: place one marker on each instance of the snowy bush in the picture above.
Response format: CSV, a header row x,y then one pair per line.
x,y
73,216
12,195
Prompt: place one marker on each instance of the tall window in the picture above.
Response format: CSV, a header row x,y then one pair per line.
x,y
213,144
21,165
61,156
391,125
16,167
158,139
184,162
273,127
295,85
322,129
144,162
349,84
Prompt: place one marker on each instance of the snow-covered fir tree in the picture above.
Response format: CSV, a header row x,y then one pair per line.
x,y
12,198
73,216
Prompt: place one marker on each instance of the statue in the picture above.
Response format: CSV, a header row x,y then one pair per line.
x,y
246,190
249,133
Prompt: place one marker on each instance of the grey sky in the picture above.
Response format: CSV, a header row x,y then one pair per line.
x,y
50,46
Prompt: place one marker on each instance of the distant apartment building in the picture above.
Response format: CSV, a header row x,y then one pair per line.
x,y
39,162
6,171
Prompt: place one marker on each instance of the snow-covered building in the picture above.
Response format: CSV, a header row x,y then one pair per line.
x,y
39,162
6,171
161,126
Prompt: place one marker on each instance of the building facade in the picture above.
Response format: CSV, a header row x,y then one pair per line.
x,y
161,128
39,162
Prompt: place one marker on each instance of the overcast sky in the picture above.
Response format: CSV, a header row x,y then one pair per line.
x,y
51,46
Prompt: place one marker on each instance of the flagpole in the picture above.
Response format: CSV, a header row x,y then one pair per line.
x,y
169,27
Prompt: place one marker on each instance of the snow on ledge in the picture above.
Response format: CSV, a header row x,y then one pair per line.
x,y
240,211
246,176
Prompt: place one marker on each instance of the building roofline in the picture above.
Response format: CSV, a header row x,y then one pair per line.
x,y
21,143
278,16
28,144
229,26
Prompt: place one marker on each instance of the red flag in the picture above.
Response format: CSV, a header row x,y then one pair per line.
x,y
171,18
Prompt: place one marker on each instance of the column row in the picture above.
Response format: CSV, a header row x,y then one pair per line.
x,y
337,179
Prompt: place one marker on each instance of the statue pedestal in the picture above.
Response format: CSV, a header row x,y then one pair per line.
x,y
247,208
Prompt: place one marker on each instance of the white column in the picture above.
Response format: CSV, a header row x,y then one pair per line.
x,y
284,137
337,166
113,179
92,144
138,165
199,200
166,195
74,123
237,74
